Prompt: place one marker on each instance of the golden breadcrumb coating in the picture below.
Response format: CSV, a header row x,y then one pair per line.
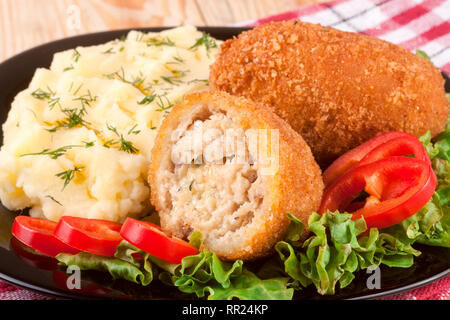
x,y
296,187
337,89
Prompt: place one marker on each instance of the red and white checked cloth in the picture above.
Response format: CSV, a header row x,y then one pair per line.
x,y
413,24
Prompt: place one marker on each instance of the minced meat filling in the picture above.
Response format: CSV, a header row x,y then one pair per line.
x,y
213,188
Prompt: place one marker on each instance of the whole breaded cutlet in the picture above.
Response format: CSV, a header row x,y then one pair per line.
x,y
338,89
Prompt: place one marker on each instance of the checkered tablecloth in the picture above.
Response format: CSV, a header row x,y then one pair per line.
x,y
415,25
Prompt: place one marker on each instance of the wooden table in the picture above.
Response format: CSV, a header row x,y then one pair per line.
x,y
27,23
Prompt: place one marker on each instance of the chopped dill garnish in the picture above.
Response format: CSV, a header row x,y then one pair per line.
x,y
205,81
157,42
176,76
52,102
76,55
178,59
137,82
206,40
109,51
148,99
88,144
68,175
170,80
54,154
71,67
43,95
47,95
73,119
78,89
50,197
86,99
132,131
125,145
34,113
152,127
108,144
164,106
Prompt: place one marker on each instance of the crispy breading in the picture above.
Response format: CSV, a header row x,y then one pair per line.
x,y
337,89
296,187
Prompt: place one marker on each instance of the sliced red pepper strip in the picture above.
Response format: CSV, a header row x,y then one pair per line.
x,y
351,158
401,146
91,235
398,187
150,238
37,233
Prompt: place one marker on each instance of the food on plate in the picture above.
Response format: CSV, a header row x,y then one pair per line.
x,y
90,235
398,187
231,169
77,141
38,234
150,238
337,89
231,180
385,180
393,143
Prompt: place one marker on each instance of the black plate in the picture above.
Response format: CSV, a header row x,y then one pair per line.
x,y
15,75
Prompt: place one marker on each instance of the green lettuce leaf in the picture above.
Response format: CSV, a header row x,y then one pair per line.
x,y
431,225
247,286
206,275
196,239
295,230
338,247
117,268
423,54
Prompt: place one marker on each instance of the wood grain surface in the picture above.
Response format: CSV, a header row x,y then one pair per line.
x,y
27,23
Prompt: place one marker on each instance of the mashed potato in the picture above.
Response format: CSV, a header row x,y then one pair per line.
x,y
77,141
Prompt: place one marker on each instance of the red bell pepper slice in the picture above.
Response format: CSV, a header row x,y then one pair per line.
x,y
150,238
402,146
91,235
398,187
388,144
37,233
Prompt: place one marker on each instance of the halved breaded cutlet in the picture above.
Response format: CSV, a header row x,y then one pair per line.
x,y
231,169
